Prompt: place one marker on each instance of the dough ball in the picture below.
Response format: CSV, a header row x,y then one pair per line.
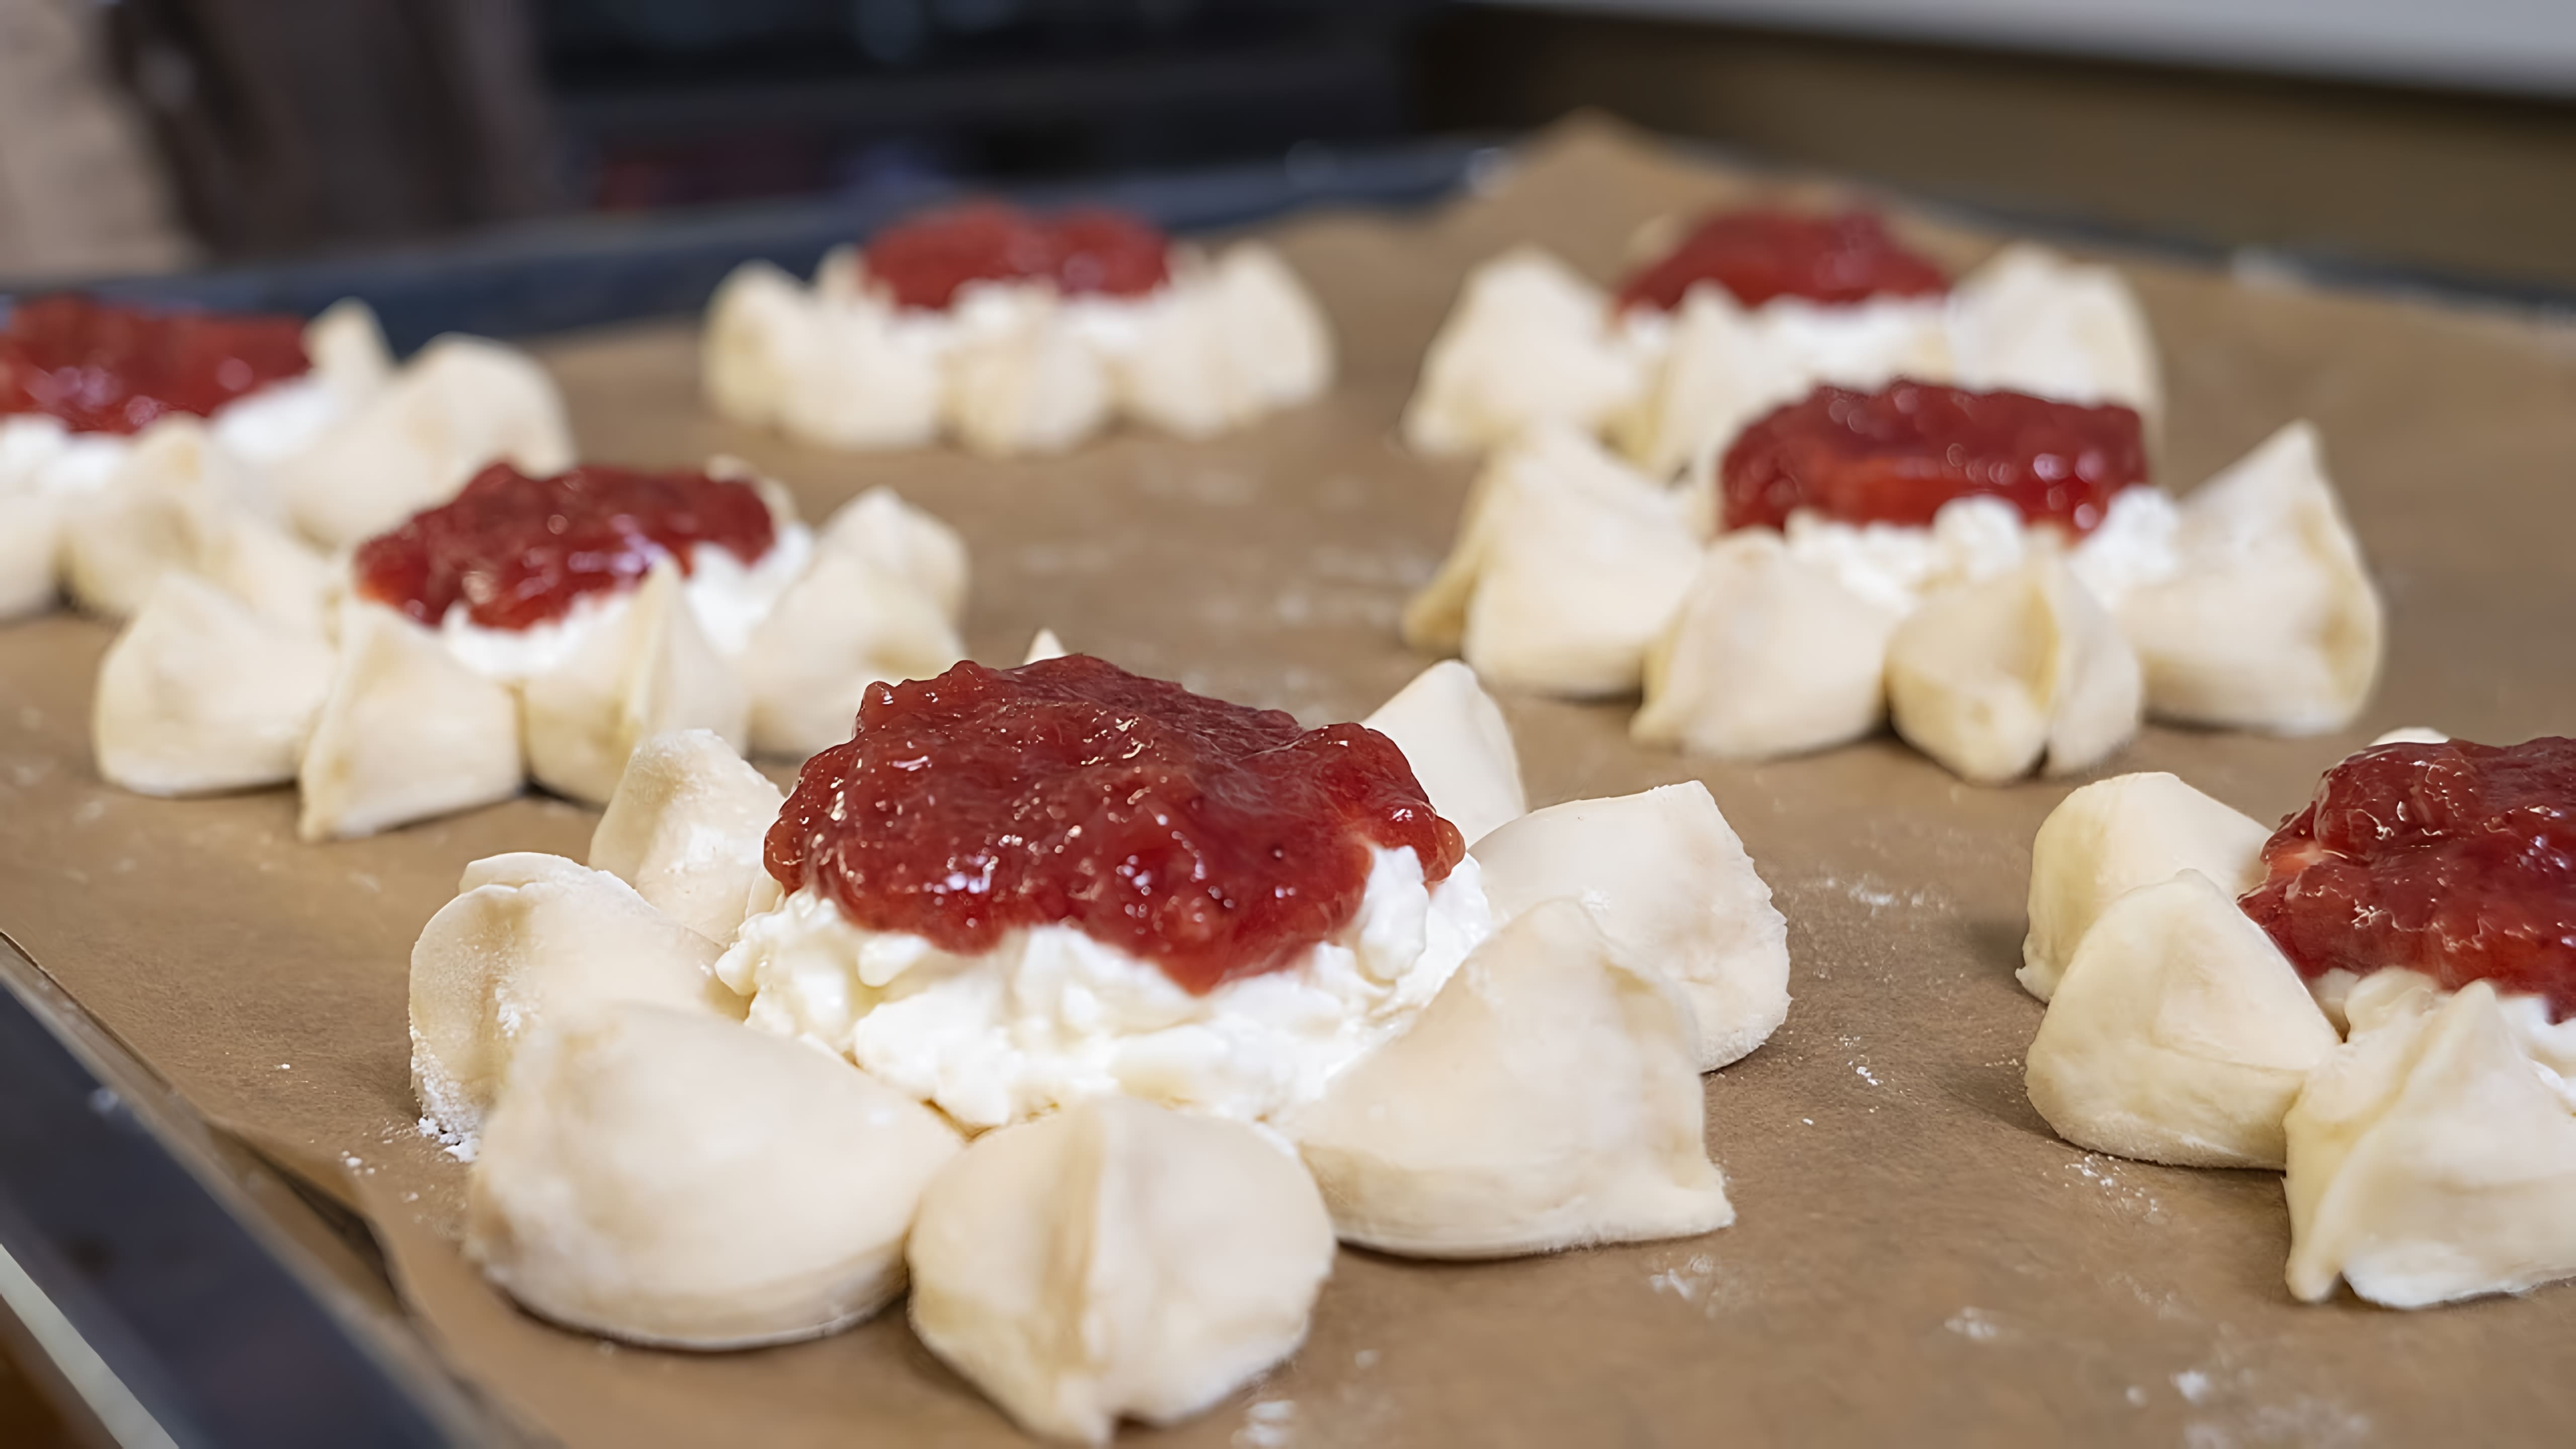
x,y
1117,1259
1547,1098
671,1178
1668,883
2114,836
685,828
646,672
529,936
1767,655
200,694
1529,342
1996,677
2179,1034
406,732
1454,736
2433,1156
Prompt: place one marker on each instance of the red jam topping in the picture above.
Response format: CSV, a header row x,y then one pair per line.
x,y
1759,255
518,551
2456,860
104,368
924,261
1214,840
1898,454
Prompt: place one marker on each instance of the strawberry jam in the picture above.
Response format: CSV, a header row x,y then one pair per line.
x,y
1898,454
2455,860
104,368
1214,840
518,551
1759,255
924,261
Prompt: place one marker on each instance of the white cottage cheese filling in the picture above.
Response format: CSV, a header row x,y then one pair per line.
x,y
1974,538
728,598
1051,1017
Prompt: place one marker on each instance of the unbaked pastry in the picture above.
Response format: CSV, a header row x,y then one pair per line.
x,y
2271,622
647,671
1767,655
168,495
685,828
31,532
1455,738
1033,386
1667,881
405,733
913,543
829,369
2114,836
2019,671
527,936
2433,1157
671,1178
200,694
2031,321
1529,343
1116,1259
846,624
2179,1033
1548,1098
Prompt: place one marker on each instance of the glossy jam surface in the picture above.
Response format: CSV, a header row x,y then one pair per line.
x,y
2456,860
1759,255
924,261
1898,454
518,551
1214,840
104,368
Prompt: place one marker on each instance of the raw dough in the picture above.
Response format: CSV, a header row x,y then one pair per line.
x,y
171,492
2110,838
1766,656
2179,1034
200,694
405,733
649,671
2032,321
671,1178
2271,622
528,936
1276,339
685,828
1549,1098
1117,1259
912,543
2433,1157
1454,736
1667,881
1032,388
31,533
1994,678
1528,343
846,624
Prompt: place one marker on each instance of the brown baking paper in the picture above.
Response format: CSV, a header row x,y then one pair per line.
x,y
1917,1258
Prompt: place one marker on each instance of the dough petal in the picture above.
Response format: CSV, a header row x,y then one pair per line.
x,y
1573,566
2032,321
1528,343
1276,339
461,404
670,1178
199,694
1548,1098
286,582
845,625
685,828
911,543
2433,1158
348,349
1032,387
1044,645
530,936
757,336
405,733
2180,1034
649,671
2272,622
31,536
1179,373
1117,1259
173,490
1766,656
2110,838
1668,883
1996,677
1454,736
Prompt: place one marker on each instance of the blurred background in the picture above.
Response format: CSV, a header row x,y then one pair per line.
x,y
142,135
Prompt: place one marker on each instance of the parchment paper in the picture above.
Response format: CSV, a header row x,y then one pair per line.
x,y
1918,1259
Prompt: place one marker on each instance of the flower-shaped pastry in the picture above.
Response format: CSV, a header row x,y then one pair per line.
x,y
238,447
533,627
2374,998
1014,334
1205,989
